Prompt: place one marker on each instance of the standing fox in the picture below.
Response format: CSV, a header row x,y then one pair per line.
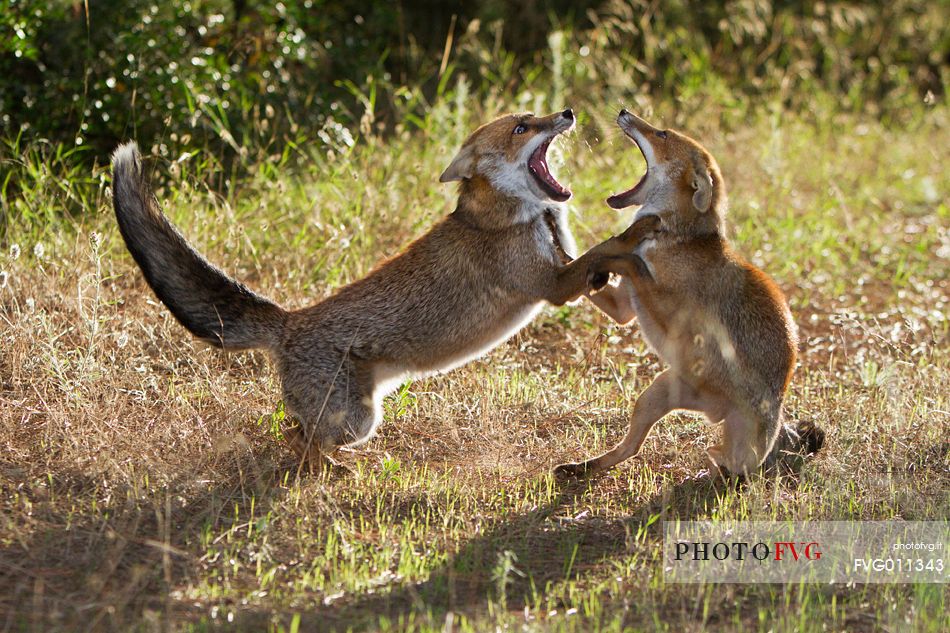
x,y
470,283
721,324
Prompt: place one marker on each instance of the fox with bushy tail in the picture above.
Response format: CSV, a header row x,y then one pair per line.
x,y
477,277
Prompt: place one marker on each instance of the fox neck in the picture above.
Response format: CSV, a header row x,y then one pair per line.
x,y
694,224
689,222
483,205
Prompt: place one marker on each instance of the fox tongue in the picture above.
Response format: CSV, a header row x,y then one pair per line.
x,y
538,166
625,199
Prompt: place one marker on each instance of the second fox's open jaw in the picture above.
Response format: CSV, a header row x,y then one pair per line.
x,y
625,198
538,166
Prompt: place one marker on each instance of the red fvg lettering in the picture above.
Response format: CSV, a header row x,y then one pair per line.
x,y
809,550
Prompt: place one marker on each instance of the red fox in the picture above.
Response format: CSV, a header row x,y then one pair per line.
x,y
720,323
467,285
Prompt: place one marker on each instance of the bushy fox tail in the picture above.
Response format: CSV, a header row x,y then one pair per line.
x,y
806,438
795,443
213,307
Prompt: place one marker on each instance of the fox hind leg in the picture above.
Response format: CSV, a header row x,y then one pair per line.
x,y
665,394
343,414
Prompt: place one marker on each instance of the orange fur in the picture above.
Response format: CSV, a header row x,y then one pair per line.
x,y
720,323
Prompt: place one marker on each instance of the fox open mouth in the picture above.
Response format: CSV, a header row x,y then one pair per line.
x,y
538,166
625,199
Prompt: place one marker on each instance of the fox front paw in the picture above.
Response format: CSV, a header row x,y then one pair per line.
x,y
642,229
628,265
597,279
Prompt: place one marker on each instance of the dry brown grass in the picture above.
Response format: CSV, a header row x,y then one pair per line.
x,y
137,489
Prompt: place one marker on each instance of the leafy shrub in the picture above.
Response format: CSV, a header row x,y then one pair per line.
x,y
247,77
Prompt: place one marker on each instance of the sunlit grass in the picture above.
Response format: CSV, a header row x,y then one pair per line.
x,y
141,481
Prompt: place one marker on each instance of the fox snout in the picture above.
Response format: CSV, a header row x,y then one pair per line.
x,y
556,123
643,134
511,154
567,116
627,119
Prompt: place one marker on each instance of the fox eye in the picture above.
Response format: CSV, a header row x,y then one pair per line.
x,y
661,133
520,129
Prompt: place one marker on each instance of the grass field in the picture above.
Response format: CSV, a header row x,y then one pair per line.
x,y
143,485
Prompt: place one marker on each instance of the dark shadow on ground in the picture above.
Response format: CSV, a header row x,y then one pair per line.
x,y
546,545
117,566
120,565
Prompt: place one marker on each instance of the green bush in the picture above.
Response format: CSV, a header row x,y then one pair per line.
x,y
248,76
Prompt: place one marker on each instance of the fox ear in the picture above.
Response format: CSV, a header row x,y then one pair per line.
x,y
461,166
702,187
